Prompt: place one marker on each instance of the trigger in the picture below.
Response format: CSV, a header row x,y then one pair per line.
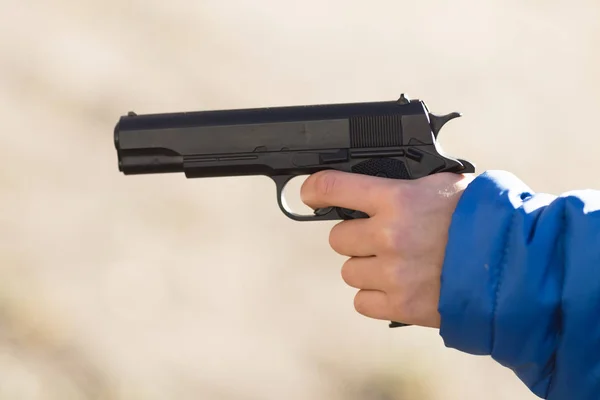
x,y
347,214
323,211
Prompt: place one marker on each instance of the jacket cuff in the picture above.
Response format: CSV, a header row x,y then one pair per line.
x,y
477,238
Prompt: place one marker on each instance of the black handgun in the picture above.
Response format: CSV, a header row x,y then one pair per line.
x,y
392,139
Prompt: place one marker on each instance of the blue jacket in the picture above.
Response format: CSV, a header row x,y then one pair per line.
x,y
521,283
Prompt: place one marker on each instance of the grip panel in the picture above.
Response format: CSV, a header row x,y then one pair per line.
x,y
383,167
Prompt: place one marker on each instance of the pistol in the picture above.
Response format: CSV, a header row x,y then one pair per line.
x,y
390,139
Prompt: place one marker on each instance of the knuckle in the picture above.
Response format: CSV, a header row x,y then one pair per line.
x,y
325,183
389,237
393,276
402,194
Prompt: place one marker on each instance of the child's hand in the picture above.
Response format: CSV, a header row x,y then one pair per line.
x,y
398,253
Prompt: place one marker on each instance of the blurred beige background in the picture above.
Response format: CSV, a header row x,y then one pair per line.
x,y
159,287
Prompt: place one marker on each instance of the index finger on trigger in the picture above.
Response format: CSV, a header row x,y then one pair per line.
x,y
342,189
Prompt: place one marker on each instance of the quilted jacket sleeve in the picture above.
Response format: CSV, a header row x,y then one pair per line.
x,y
521,283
